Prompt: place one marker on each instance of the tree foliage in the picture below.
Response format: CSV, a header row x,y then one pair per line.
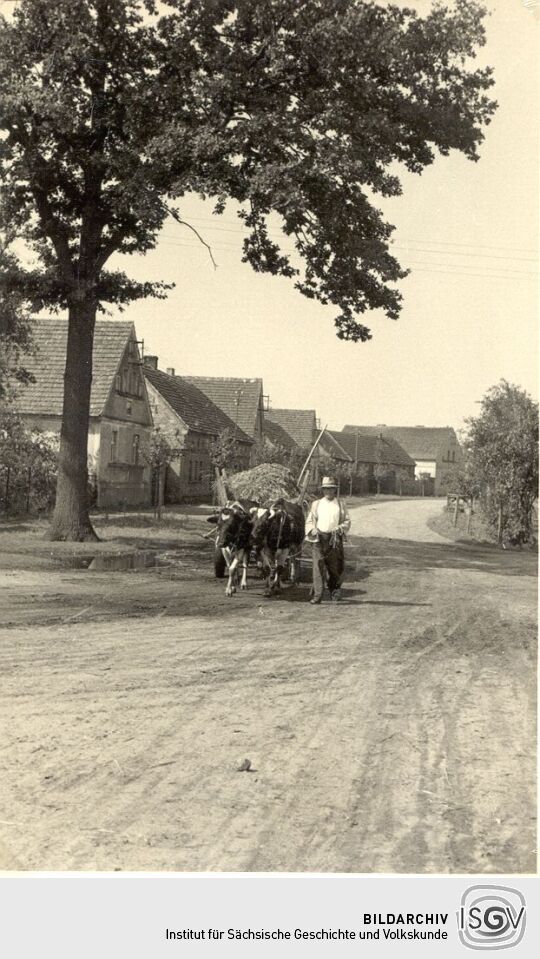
x,y
224,449
111,111
15,332
165,446
461,479
502,444
298,107
28,465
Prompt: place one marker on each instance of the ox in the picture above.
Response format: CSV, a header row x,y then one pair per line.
x,y
234,525
278,534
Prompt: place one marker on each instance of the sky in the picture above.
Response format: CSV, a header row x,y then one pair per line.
x,y
468,231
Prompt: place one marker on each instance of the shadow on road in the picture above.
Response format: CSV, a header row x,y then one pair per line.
x,y
364,554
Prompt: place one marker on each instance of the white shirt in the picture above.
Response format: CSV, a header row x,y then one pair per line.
x,y
327,515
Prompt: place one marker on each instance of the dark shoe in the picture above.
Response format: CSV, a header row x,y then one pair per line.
x,y
336,596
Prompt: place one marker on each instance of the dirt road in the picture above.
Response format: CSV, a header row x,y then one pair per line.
x,y
393,733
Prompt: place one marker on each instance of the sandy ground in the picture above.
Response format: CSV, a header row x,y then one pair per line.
x,y
392,733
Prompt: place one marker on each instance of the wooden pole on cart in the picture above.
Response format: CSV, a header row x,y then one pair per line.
x,y
220,488
303,489
311,452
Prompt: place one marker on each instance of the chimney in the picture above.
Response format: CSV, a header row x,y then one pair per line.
x,y
151,362
170,370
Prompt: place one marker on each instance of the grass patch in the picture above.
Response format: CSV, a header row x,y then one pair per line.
x,y
480,532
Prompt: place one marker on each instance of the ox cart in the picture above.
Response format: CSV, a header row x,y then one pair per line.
x,y
277,551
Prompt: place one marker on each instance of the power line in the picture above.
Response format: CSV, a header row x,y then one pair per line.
x,y
496,275
464,253
496,271
424,240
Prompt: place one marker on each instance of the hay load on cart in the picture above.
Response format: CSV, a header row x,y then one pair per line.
x,y
264,484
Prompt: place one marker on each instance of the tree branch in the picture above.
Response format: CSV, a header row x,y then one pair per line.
x,y
178,219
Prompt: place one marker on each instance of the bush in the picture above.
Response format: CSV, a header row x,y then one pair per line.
x,y
28,467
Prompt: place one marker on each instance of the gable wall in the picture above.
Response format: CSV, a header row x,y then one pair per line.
x,y
128,399
190,476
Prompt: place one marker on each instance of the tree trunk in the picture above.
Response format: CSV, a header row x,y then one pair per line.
x,y
71,520
500,525
8,472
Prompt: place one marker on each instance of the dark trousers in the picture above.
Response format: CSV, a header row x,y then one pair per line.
x,y
328,565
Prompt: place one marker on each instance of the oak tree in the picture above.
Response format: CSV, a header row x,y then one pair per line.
x,y
111,111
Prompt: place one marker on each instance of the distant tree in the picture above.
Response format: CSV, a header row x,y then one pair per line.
x,y
166,446
502,444
381,469
460,479
359,472
403,478
380,472
266,452
224,450
15,333
110,109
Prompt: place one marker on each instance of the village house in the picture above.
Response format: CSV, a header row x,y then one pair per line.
x,y
193,423
378,463
120,416
278,438
434,449
335,460
302,427
241,399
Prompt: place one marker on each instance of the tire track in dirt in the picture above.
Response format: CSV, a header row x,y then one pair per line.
x,y
376,729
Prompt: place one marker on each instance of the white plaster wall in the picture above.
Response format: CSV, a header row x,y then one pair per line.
x,y
425,466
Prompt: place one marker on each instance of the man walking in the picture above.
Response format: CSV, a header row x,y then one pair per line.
x,y
326,525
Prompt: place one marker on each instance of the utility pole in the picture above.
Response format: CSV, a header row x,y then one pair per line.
x,y
238,397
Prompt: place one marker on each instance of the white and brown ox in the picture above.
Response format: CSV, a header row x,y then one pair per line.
x,y
278,534
233,540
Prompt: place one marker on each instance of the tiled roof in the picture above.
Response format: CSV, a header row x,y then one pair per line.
x,y
301,425
276,435
420,442
239,398
196,410
332,447
47,365
371,449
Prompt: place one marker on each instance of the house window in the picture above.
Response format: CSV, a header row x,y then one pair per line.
x,y
453,456
118,382
135,449
114,447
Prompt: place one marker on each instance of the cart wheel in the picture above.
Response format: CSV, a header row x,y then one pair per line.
x,y
219,564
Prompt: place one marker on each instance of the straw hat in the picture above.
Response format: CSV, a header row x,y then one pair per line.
x,y
328,482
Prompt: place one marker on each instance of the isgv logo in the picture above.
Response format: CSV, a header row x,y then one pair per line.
x,y
491,917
